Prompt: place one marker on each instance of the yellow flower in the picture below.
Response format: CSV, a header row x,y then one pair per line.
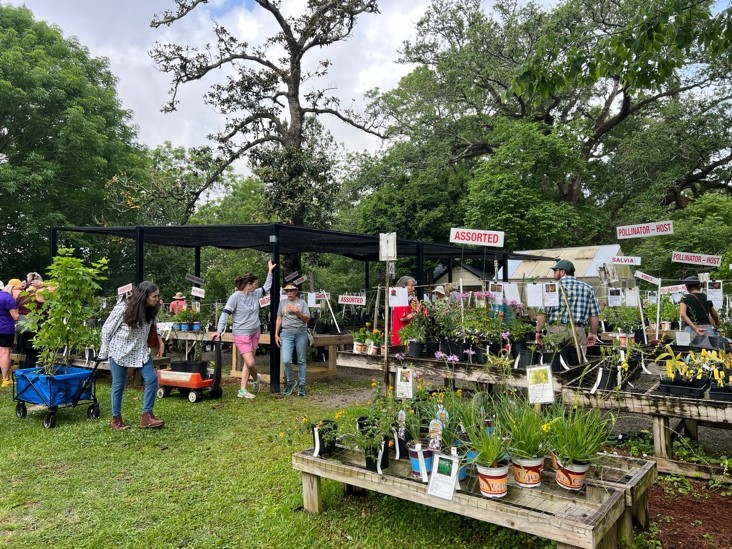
x,y
282,434
625,366
340,414
546,427
374,384
304,419
391,443
459,392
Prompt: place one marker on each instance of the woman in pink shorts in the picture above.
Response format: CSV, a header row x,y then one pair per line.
x,y
243,308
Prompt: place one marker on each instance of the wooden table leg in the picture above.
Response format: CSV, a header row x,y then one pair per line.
x,y
661,436
641,512
691,429
332,359
311,500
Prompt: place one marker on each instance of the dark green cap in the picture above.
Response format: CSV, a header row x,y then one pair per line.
x,y
564,265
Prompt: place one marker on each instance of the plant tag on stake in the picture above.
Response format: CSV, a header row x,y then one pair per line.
x,y
540,384
405,383
444,476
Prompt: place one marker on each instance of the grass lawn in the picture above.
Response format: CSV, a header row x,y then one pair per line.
x,y
217,475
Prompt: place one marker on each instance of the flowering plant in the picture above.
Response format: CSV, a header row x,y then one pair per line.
x,y
576,434
362,333
375,336
526,437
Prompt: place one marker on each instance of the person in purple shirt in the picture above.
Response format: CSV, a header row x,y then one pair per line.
x,y
8,317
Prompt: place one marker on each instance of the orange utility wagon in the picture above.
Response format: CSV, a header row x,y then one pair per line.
x,y
192,379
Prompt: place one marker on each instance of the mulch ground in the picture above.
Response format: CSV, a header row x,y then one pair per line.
x,y
690,514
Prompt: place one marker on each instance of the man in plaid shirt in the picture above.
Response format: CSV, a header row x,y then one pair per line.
x,y
583,305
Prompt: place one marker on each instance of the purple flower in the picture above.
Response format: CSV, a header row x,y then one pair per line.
x,y
469,351
400,356
505,335
439,355
452,358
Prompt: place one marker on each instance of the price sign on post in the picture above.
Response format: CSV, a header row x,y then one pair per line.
x,y
198,292
387,247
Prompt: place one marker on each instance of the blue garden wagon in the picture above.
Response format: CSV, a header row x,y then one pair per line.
x,y
67,386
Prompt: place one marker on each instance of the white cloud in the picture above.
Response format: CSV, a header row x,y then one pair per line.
x,y
120,31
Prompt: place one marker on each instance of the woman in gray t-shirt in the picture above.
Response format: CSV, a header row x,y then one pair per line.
x,y
243,307
291,333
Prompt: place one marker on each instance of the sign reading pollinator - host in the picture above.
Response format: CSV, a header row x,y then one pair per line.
x,y
658,228
697,259
477,237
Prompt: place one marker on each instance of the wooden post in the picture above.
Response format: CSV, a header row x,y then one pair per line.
x,y
311,501
661,436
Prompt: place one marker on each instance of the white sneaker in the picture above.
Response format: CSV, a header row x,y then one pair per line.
x,y
257,384
243,393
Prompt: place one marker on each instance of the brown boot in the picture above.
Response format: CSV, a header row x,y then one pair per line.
x,y
118,424
149,421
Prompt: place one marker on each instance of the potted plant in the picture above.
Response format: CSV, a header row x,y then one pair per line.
x,y
684,377
62,331
374,341
575,435
359,338
414,334
526,438
60,322
370,431
489,454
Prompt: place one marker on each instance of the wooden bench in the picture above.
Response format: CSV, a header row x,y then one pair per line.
x,y
594,517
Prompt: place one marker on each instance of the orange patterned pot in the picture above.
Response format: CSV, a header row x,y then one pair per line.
x,y
493,481
572,477
527,472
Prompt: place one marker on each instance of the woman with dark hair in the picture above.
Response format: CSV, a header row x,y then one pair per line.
x,y
696,310
243,307
124,342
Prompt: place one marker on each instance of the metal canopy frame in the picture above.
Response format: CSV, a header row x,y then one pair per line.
x,y
282,239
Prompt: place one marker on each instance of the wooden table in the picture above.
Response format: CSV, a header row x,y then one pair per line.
x,y
314,370
475,373
645,400
594,517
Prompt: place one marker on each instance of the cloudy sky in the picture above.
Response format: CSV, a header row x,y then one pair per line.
x,y
120,31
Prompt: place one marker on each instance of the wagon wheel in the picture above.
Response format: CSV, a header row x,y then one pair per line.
x,y
93,411
49,421
195,396
163,392
216,392
20,410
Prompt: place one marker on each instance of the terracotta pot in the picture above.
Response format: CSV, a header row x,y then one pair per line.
x,y
359,347
572,477
527,472
493,481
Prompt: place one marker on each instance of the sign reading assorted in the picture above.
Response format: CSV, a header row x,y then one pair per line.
x,y
292,276
124,289
198,292
648,278
193,279
300,280
658,228
697,259
359,300
477,237
626,260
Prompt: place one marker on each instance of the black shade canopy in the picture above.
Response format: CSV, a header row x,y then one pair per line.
x,y
292,240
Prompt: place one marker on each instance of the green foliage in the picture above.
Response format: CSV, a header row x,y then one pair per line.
x,y
524,425
576,434
63,135
69,301
623,318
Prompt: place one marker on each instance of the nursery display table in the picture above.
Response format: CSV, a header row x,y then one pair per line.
x,y
643,397
596,516
474,373
315,371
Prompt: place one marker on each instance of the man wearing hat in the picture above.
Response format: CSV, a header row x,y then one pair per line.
x,y
583,311
696,310
178,303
